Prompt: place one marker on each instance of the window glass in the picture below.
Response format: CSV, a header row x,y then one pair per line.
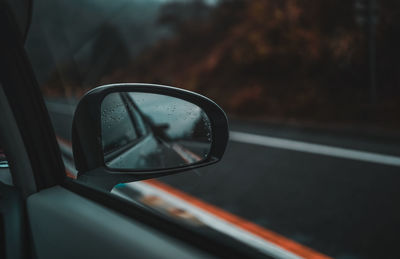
x,y
118,128
141,126
5,173
311,90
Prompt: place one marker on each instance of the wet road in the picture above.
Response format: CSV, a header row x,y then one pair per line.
x,y
340,205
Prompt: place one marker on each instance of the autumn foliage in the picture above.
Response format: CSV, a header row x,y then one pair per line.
x,y
280,59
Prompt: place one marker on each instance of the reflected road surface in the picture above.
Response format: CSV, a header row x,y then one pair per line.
x,y
336,203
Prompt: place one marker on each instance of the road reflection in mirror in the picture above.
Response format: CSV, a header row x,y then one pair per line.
x,y
145,131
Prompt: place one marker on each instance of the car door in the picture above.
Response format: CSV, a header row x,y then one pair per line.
x,y
61,218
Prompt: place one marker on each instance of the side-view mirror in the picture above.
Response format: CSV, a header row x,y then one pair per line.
x,y
130,132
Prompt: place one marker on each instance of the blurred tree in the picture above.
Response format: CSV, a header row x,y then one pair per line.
x,y
285,59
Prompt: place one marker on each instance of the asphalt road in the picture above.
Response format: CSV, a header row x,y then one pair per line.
x,y
342,207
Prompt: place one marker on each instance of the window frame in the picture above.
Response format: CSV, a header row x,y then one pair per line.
x,y
39,139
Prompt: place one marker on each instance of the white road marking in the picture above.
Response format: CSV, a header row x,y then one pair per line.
x,y
314,148
65,149
70,166
214,222
207,218
281,143
67,154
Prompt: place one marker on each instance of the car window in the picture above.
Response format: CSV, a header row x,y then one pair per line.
x,y
137,116
118,126
311,90
3,159
5,173
141,127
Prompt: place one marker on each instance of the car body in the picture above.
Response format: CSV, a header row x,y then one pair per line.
x,y
48,215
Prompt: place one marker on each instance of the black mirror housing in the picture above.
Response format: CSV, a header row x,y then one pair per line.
x,y
87,139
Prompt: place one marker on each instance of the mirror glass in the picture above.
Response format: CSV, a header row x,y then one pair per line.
x,y
145,131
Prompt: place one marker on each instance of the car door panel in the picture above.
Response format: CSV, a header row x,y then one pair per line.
x,y
66,225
